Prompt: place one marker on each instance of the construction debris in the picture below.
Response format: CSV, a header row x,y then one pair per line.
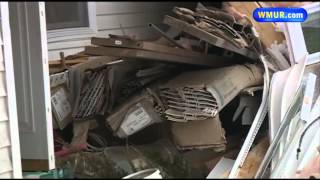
x,y
199,135
135,108
197,95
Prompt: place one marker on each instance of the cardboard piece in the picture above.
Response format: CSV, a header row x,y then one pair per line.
x,y
61,106
266,31
199,134
201,94
134,115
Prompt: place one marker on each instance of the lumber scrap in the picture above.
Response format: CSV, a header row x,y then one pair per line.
x,y
208,37
218,61
150,46
254,159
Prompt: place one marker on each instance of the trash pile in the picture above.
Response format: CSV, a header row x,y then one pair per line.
x,y
121,95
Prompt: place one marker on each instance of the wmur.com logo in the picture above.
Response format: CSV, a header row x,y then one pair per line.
x,y
280,14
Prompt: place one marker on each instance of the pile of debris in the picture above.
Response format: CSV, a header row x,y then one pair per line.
x,y
175,88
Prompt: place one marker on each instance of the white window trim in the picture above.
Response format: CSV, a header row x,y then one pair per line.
x,y
312,7
293,33
76,33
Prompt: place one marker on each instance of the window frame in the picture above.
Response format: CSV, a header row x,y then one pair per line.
x,y
75,33
293,32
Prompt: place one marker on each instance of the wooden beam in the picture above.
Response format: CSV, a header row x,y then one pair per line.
x,y
151,55
150,46
254,159
68,62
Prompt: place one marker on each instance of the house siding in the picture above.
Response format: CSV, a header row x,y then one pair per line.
x,y
129,18
6,169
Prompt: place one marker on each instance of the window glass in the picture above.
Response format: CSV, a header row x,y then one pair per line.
x,y
60,15
311,32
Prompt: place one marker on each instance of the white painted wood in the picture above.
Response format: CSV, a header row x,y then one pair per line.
x,y
46,79
312,7
72,33
29,41
295,42
5,160
15,157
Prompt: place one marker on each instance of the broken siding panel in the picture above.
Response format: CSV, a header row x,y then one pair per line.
x,y
5,160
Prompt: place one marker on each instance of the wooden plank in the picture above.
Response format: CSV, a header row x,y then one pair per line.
x,y
68,62
149,55
266,31
144,45
208,37
34,165
254,158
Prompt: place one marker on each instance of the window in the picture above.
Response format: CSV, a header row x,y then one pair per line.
x,y
70,20
311,28
66,15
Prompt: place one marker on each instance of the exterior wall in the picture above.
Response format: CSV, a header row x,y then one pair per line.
x,y
6,168
119,18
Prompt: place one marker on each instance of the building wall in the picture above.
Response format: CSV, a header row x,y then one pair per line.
x,y
129,18
6,169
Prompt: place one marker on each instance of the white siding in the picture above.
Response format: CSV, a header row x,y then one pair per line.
x,y
129,18
9,154
5,154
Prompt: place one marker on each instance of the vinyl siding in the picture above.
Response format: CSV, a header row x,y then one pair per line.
x,y
5,144
129,18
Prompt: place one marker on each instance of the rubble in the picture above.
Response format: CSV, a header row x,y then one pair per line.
x,y
209,134
198,95
172,89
